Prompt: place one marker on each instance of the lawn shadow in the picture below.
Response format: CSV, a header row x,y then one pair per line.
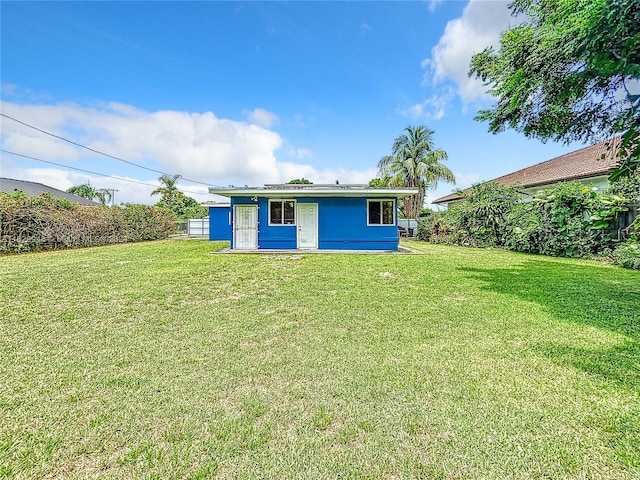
x,y
606,298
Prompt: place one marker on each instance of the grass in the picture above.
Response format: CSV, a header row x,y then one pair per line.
x,y
162,360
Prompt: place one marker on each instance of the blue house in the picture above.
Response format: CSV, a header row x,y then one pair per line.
x,y
313,217
219,222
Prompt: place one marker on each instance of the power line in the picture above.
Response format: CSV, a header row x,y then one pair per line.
x,y
99,152
90,172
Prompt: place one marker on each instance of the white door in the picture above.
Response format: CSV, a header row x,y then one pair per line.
x,y
245,227
307,225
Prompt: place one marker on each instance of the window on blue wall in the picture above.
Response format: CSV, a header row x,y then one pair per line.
x,y
282,212
380,212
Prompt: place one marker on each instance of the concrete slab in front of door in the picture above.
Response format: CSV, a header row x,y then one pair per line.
x,y
401,251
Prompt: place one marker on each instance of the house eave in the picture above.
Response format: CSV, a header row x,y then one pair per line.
x,y
532,186
574,178
344,191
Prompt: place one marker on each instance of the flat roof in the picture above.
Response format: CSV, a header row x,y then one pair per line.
x,y
312,190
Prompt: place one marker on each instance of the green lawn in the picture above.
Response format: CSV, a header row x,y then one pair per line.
x,y
163,360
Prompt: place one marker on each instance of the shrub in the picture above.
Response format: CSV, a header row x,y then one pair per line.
x,y
443,227
480,219
484,212
567,219
46,223
628,187
627,255
576,221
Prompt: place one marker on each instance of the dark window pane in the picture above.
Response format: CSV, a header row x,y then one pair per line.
x,y
275,212
289,213
374,213
387,213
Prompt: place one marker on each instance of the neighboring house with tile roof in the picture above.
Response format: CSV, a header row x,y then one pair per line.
x,y
590,165
10,185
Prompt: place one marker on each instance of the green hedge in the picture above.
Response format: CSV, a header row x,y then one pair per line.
x,y
567,219
29,224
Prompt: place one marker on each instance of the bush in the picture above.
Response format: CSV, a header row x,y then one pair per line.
x,y
627,255
567,219
572,220
480,219
628,187
46,223
443,227
484,212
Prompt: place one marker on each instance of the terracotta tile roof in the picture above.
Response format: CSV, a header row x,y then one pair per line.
x,y
593,161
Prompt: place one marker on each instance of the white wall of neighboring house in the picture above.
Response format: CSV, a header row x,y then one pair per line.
x,y
598,183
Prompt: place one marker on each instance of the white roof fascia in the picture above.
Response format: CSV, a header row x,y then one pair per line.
x,y
215,205
312,192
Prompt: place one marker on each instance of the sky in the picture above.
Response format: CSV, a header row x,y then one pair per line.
x,y
245,93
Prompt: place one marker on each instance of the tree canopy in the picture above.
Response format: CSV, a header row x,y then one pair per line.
x,y
300,181
415,162
380,182
174,200
570,72
168,189
87,191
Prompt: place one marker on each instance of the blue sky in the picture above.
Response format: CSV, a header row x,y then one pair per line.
x,y
235,93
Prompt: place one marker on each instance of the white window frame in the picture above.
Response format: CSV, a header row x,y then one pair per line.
x,y
295,213
380,201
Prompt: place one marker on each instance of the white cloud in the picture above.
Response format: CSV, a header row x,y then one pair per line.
x,y
296,153
262,117
198,146
125,189
465,180
329,176
433,4
301,153
64,179
433,108
479,26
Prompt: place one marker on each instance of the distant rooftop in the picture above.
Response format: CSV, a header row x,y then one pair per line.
x,y
10,185
589,162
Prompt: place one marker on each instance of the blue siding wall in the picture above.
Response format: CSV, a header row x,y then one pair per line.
x,y
219,225
274,236
342,225
262,209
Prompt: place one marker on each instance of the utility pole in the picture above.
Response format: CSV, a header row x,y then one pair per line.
x,y
112,191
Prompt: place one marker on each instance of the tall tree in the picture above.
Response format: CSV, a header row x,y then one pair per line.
x,y
568,73
84,191
187,207
168,189
415,162
87,191
379,182
103,195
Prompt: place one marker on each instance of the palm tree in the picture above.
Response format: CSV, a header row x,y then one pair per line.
x,y
415,163
84,191
103,195
87,191
169,190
